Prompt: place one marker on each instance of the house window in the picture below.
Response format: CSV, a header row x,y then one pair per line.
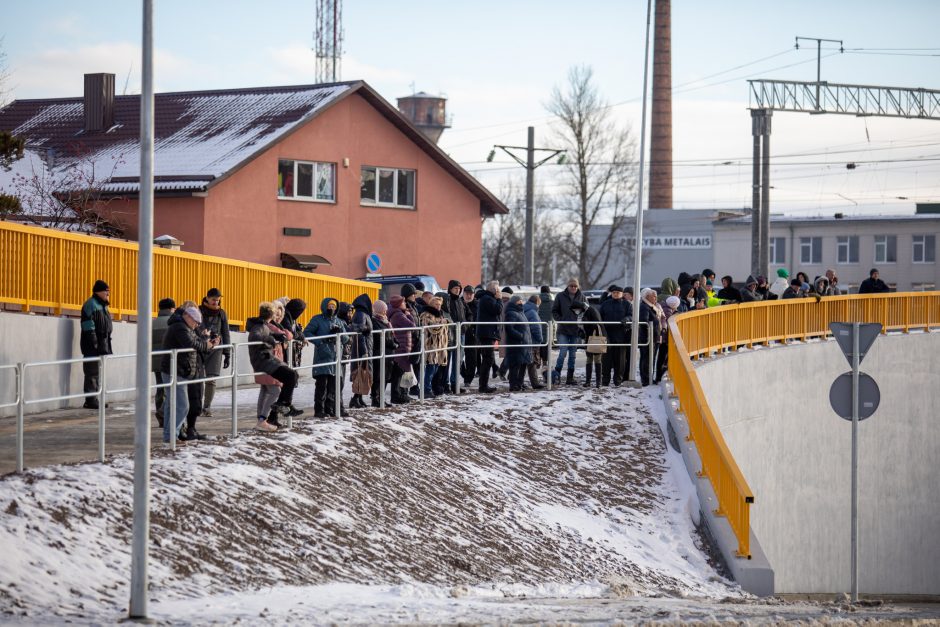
x,y
925,247
388,187
847,249
778,251
306,180
811,250
886,249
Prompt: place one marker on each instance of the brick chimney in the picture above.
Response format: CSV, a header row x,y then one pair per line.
x,y
99,102
660,196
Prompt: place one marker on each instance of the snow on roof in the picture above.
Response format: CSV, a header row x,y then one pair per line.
x,y
784,219
199,136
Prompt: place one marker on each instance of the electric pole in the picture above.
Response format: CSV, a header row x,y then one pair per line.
x,y
819,60
530,164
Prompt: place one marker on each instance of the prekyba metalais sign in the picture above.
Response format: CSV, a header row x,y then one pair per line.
x,y
685,242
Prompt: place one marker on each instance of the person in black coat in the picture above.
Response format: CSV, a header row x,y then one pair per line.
x,y
728,291
563,311
361,345
214,320
615,309
649,314
873,284
95,340
181,334
517,334
454,307
586,314
489,309
471,355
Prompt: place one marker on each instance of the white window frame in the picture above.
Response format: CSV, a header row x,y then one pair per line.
x,y
807,243
316,175
777,254
922,245
844,245
377,170
881,246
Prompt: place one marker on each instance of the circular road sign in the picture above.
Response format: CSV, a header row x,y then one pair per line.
x,y
840,396
373,262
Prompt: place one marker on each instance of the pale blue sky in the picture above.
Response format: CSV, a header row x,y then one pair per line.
x,y
497,63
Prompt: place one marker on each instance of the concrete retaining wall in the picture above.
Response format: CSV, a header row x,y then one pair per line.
x,y
772,405
32,338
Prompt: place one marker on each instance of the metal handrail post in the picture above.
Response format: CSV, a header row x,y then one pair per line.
x,y
290,364
424,346
102,402
337,377
234,389
459,357
173,391
382,369
20,412
548,362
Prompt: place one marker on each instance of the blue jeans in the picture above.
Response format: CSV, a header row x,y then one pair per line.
x,y
572,351
429,371
182,405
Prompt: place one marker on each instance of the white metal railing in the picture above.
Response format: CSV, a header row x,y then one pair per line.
x,y
175,383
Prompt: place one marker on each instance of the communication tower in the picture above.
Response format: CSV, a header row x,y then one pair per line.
x,y
328,40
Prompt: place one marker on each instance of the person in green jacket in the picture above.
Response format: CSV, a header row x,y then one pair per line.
x,y
95,338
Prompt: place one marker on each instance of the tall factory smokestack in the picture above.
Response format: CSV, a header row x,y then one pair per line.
x,y
661,120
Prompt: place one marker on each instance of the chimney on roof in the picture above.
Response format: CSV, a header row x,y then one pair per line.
x,y
660,190
99,102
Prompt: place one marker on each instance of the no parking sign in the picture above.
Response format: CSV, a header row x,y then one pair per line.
x,y
373,263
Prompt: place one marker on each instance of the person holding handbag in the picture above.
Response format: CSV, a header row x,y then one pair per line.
x,y
400,318
594,337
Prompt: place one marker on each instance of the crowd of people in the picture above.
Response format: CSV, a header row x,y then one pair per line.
x,y
503,335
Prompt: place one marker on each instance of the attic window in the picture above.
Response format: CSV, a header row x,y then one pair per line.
x,y
306,180
387,187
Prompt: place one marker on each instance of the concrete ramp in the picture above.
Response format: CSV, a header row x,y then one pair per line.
x,y
772,405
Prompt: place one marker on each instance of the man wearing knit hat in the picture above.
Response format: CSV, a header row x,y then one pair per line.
x,y
95,340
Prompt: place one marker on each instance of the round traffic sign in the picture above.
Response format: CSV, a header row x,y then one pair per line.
x,y
840,396
373,262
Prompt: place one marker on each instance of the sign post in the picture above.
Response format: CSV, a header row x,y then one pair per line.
x,y
854,396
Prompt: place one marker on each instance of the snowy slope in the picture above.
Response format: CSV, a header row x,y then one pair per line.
x,y
567,493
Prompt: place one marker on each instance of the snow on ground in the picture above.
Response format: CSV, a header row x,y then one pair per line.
x,y
563,506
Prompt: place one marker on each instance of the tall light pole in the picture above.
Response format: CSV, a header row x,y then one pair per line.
x,y
638,247
141,527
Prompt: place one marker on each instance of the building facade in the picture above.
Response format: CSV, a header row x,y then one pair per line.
x,y
310,177
903,248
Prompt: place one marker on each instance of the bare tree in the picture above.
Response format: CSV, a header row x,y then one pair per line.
x,y
4,74
68,194
504,239
600,172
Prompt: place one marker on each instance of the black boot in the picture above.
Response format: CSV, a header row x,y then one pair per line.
x,y
588,368
192,434
569,380
597,375
534,377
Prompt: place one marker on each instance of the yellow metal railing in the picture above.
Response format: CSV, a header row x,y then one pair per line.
x,y
55,270
706,331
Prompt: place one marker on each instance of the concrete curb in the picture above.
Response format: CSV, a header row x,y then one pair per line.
x,y
755,575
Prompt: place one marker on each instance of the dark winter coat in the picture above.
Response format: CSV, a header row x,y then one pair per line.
x,y
791,292
873,286
179,335
614,310
470,315
730,293
362,344
455,307
96,328
561,307
586,330
537,331
380,323
401,319
324,351
157,331
216,322
262,355
648,314
517,333
545,309
489,309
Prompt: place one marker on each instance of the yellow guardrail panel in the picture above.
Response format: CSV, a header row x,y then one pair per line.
x,y
48,268
699,333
